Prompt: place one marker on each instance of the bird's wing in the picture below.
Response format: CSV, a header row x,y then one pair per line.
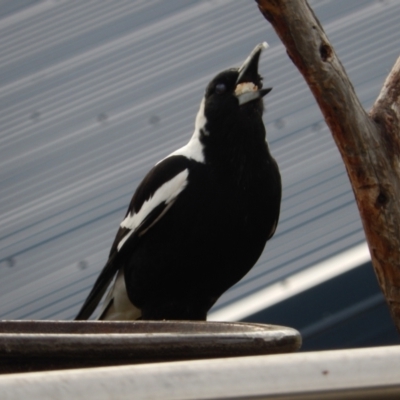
x,y
152,199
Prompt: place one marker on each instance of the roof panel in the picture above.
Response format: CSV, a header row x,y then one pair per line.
x,y
92,95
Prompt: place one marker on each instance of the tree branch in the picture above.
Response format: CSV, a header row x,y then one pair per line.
x,y
368,144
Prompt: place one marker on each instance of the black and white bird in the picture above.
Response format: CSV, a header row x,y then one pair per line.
x,y
201,217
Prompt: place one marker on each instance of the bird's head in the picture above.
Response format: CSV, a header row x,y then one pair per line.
x,y
234,94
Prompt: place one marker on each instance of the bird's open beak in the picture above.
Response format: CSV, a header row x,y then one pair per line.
x,y
246,84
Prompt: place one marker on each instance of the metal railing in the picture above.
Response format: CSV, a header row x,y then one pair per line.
x,y
49,345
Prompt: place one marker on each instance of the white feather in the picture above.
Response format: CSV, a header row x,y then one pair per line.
x,y
165,193
194,149
121,308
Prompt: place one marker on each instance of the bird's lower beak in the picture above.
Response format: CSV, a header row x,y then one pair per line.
x,y
248,80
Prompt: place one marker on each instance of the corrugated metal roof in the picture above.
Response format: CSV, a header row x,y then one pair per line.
x,y
337,313
93,93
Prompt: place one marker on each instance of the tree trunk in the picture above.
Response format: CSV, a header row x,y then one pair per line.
x,y
368,144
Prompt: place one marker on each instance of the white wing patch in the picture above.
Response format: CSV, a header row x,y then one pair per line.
x,y
165,193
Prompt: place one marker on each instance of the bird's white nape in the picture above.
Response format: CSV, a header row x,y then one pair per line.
x,y
166,193
194,148
201,120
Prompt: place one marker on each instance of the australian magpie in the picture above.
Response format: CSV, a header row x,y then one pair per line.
x,y
201,217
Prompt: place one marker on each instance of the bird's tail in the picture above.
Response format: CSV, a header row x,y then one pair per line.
x,y
98,290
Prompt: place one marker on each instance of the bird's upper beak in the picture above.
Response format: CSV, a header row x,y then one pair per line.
x,y
247,82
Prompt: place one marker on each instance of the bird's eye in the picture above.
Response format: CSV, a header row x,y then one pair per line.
x,y
220,88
